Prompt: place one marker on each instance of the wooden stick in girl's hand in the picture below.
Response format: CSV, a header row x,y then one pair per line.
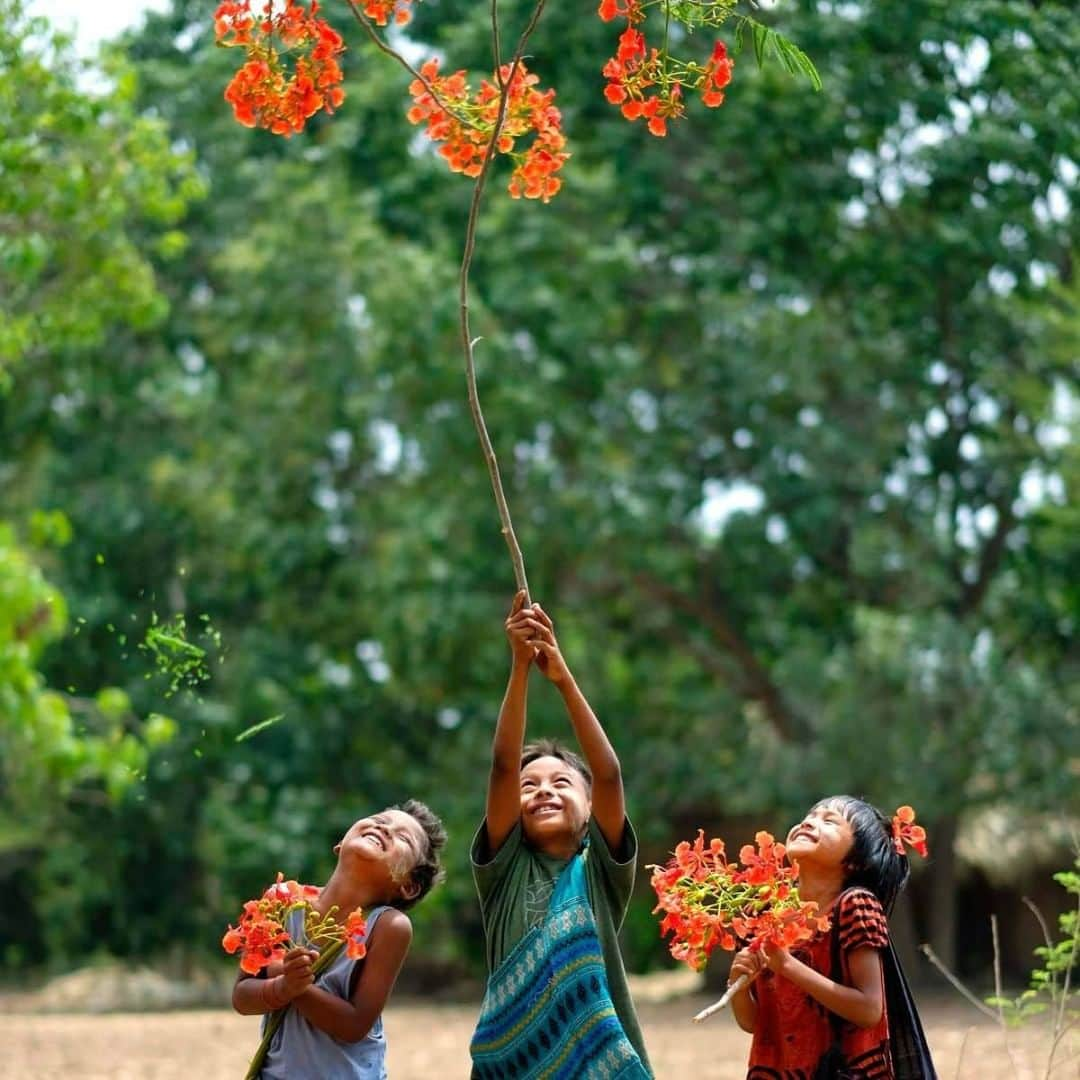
x,y
739,984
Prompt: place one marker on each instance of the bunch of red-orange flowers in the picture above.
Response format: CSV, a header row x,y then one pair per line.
x,y
648,83
709,902
463,122
267,92
263,93
263,938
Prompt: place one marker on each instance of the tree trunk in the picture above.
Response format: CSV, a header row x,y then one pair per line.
x,y
943,890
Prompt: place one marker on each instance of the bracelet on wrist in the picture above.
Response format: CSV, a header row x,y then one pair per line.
x,y
272,996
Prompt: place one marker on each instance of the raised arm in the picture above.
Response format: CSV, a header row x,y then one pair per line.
x,y
504,782
608,800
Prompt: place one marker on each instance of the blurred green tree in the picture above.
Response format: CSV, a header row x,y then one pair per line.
x,y
787,409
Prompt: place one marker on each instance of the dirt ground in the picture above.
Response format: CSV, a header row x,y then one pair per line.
x,y
430,1041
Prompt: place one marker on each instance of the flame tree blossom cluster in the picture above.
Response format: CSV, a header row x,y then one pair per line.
x,y
261,938
644,78
265,92
710,902
382,12
464,123
648,82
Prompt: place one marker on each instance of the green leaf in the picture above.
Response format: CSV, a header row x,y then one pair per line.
x,y
761,41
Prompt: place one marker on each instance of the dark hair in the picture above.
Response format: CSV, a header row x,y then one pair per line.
x,y
553,748
873,862
428,871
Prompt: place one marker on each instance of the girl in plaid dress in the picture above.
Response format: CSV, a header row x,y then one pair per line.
x,y
839,1006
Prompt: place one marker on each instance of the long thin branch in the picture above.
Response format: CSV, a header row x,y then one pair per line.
x,y
383,46
496,45
999,994
932,956
1047,939
960,1055
467,341
1060,1027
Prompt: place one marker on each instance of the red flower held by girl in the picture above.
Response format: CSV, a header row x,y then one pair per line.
x,y
261,938
355,935
710,903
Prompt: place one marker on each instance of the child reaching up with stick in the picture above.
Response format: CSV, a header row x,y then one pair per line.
x,y
554,862
838,1006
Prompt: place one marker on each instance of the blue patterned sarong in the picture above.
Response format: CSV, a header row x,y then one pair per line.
x,y
547,1013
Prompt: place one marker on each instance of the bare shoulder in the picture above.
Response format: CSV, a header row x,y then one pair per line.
x,y
394,929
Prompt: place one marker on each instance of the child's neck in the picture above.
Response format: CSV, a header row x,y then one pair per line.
x,y
559,849
821,884
346,895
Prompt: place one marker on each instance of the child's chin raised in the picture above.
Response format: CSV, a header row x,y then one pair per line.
x,y
801,848
546,827
363,850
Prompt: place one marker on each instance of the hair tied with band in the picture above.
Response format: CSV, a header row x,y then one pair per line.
x,y
905,831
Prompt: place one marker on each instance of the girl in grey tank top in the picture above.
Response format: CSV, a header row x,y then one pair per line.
x,y
300,1051
332,1029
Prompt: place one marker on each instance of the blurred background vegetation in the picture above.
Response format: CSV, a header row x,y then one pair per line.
x,y
787,406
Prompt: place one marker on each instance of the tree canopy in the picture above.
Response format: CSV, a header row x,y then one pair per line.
x,y
786,404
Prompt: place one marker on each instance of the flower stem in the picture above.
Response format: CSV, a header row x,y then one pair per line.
x,y
326,958
716,1006
390,51
467,340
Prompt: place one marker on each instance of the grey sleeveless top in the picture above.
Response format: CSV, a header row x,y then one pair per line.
x,y
300,1051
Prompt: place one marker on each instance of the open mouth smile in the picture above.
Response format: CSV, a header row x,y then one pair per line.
x,y
376,839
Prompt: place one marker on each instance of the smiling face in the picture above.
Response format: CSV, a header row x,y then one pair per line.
x,y
824,837
555,803
384,848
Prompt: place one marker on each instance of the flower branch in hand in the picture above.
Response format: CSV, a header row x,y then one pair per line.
x,y
262,938
710,902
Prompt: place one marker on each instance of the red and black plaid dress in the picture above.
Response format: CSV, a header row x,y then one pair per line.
x,y
792,1030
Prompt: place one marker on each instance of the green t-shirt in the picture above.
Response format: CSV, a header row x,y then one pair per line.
x,y
515,887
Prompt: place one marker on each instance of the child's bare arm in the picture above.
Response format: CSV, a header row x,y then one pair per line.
x,y
608,800
253,996
504,783
350,1021
743,1002
861,1003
